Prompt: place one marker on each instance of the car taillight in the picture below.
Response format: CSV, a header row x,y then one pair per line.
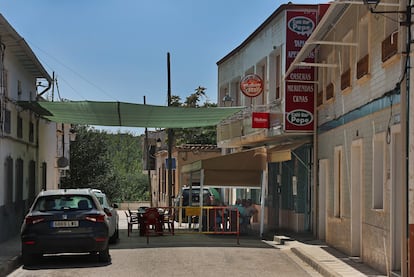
x,y
33,219
96,218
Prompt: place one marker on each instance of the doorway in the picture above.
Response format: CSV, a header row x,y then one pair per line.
x,y
397,196
322,197
356,184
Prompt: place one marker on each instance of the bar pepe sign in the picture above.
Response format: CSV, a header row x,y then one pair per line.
x,y
300,117
251,85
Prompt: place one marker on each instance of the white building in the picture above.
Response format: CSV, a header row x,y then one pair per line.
x,y
29,145
363,73
278,123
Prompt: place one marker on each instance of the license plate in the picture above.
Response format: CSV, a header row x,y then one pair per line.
x,y
68,223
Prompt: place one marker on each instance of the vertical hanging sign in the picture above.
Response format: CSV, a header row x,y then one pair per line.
x,y
300,87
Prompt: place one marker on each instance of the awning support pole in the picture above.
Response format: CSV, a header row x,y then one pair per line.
x,y
200,221
262,201
301,161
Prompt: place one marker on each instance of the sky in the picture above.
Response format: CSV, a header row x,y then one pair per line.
x,y
116,50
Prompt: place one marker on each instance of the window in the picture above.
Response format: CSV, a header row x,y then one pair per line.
x,y
7,121
235,91
330,76
4,84
44,175
31,131
8,180
32,181
363,54
19,126
319,95
19,87
19,180
390,42
261,71
275,76
338,175
278,77
345,62
248,100
378,165
224,90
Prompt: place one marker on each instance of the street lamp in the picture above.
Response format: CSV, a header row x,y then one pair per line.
x,y
227,100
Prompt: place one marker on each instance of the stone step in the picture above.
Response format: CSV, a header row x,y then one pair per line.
x,y
281,239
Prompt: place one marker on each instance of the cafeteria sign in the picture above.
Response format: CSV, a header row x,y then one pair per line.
x,y
251,85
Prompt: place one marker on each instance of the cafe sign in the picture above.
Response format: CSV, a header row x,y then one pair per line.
x,y
300,83
251,85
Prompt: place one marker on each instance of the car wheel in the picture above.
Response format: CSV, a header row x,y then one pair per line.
x,y
104,255
115,236
29,259
116,233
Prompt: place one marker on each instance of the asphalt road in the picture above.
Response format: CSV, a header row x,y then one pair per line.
x,y
181,261
179,255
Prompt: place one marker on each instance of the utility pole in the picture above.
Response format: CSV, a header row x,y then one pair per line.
x,y
170,138
147,151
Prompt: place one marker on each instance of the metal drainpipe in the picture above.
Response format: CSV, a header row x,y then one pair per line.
x,y
49,85
410,226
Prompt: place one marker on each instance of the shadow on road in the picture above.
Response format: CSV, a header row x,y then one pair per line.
x,y
185,239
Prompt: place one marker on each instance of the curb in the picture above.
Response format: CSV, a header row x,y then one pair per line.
x,y
9,266
323,270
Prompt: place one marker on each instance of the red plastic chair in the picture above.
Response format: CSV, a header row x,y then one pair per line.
x,y
152,222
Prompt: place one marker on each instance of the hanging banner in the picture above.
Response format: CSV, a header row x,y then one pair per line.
x,y
300,87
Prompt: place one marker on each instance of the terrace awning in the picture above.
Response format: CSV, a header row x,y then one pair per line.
x,y
128,114
241,169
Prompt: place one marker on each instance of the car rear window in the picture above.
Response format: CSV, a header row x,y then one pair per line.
x,y
65,202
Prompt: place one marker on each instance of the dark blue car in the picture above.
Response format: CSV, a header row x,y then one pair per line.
x,y
65,221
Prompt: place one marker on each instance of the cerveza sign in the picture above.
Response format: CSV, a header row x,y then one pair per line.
x,y
251,85
300,117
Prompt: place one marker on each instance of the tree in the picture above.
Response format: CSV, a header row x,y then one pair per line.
x,y
199,135
109,162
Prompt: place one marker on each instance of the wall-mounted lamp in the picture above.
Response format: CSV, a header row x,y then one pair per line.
x,y
158,143
72,134
227,100
372,5
59,132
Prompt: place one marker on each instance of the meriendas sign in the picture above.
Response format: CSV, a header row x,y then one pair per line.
x,y
299,104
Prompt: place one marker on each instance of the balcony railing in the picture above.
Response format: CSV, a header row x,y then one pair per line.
x,y
240,124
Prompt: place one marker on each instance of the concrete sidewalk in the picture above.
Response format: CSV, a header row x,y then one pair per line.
x,y
9,255
324,259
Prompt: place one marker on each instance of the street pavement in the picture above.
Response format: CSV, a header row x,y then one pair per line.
x,y
303,249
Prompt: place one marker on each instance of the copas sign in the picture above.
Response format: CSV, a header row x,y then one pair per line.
x,y
251,85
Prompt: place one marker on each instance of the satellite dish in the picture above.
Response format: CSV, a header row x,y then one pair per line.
x,y
62,162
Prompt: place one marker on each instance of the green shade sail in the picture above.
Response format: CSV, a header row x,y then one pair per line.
x,y
129,115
